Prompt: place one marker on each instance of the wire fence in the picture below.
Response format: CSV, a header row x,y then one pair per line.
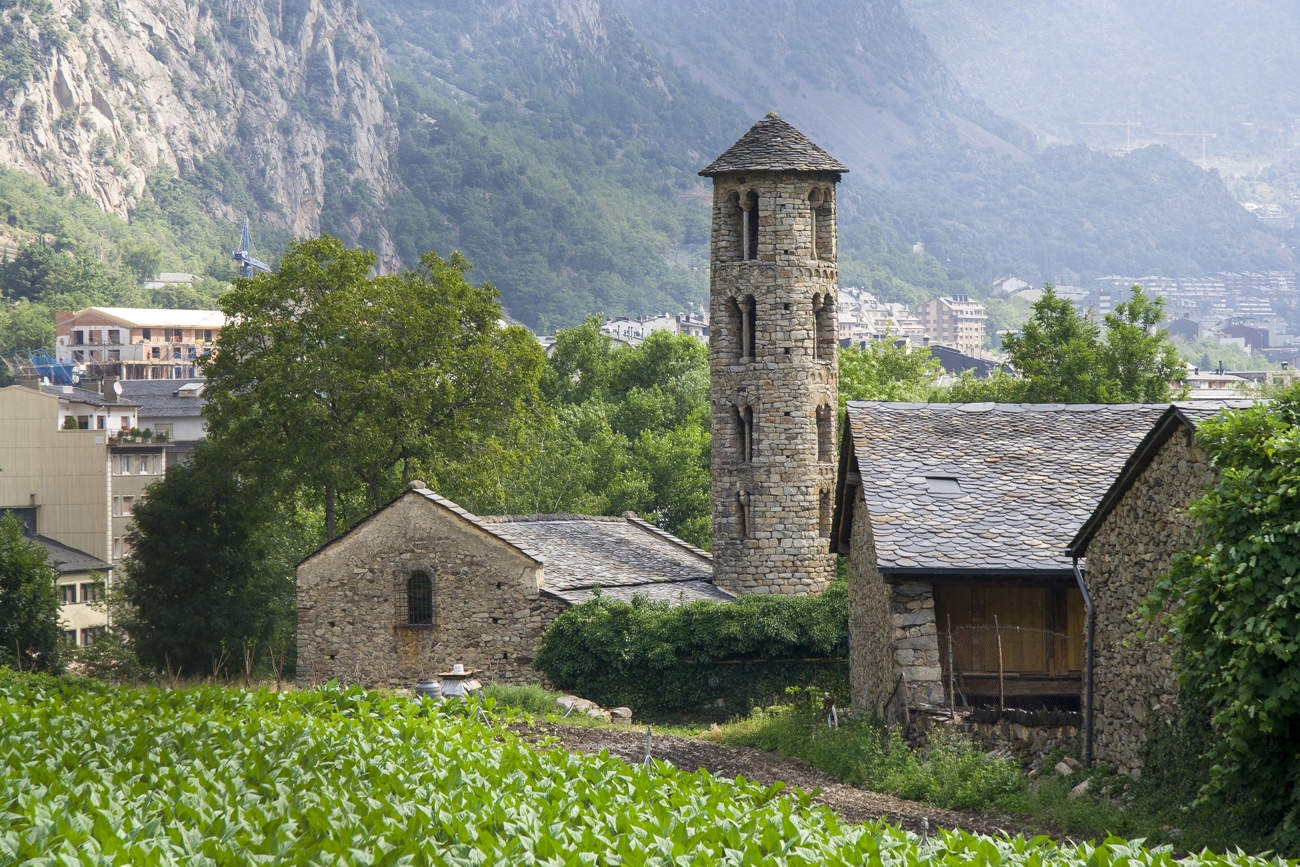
x,y
1018,666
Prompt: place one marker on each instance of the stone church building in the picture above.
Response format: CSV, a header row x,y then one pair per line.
x,y
422,583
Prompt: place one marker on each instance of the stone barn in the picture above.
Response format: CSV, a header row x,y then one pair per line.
x,y
1129,542
422,584
955,519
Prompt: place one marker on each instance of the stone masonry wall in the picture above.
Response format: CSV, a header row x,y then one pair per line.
x,y
891,631
1133,676
489,610
786,485
916,640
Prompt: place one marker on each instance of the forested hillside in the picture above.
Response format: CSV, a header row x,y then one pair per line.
x,y
546,142
932,163
556,142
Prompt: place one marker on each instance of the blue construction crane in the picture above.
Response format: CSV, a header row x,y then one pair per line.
x,y
248,266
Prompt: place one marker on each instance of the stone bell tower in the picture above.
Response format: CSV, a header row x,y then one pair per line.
x,y
773,346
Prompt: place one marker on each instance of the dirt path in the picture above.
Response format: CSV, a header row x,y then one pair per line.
x,y
853,805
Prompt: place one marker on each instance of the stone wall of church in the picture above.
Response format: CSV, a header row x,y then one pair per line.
x,y
488,607
1133,675
772,355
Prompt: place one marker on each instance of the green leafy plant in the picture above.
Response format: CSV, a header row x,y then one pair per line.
x,y
1231,603
333,776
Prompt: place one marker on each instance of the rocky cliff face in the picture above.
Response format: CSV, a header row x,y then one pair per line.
x,y
99,93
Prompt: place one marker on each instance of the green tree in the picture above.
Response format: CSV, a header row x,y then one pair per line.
x,y
1063,358
882,370
1138,361
1232,600
630,432
338,382
1058,354
202,576
30,635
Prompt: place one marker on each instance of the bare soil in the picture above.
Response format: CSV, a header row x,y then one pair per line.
x,y
852,804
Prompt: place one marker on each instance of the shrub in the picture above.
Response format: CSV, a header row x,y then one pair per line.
x,y
658,658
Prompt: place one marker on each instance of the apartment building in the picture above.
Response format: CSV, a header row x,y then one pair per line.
x,y
136,343
71,465
957,322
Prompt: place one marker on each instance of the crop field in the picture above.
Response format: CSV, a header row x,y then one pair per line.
x,y
91,774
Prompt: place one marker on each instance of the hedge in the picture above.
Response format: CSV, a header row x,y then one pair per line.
x,y
704,660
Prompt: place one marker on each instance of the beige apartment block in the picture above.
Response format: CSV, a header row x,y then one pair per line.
x,y
68,468
957,322
136,343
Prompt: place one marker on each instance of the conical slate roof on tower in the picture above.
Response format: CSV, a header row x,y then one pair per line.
x,y
772,145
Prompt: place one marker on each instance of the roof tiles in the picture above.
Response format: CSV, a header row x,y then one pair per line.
x,y
623,556
1029,476
772,145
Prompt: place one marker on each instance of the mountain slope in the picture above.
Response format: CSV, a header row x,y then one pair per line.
x,y
856,72
98,94
545,141
1222,66
932,163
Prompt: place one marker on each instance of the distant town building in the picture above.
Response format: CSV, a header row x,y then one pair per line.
x,y
957,322
74,471
134,343
1008,286
171,408
634,331
1254,339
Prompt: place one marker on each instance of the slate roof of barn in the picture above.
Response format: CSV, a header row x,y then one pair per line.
x,y
773,145
624,556
1185,416
1029,476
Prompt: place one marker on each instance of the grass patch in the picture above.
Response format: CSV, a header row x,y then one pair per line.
x,y
953,773
532,699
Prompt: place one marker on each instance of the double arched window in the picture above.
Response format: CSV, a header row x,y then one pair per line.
x,y
419,600
744,312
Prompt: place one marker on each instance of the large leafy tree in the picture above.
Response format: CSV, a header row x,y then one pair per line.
x,y
211,568
30,635
339,382
631,432
883,370
1063,356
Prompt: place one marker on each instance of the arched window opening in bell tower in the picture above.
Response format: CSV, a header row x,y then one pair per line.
x,y
732,231
743,314
825,434
825,337
824,514
742,515
823,226
744,418
750,208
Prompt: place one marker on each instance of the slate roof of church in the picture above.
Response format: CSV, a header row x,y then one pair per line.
x,y
624,556
1028,476
772,145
